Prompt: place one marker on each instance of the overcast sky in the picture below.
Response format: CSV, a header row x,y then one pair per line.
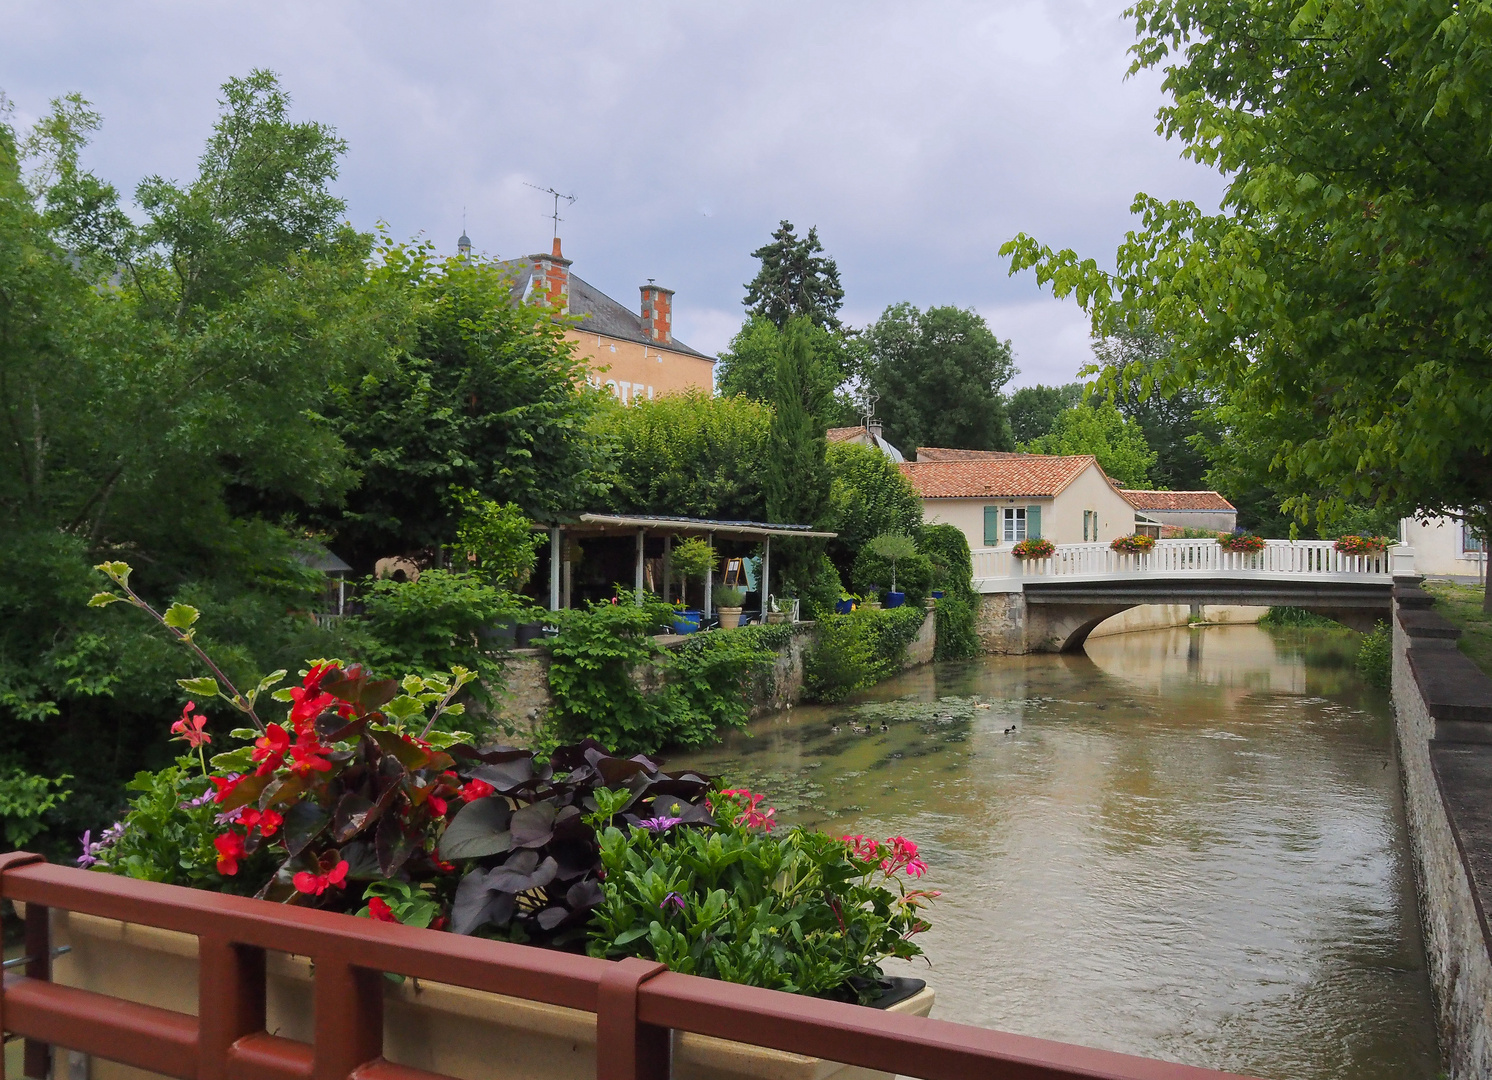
x,y
917,137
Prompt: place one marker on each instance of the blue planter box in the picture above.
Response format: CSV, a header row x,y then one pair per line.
x,y
686,622
844,607
895,599
937,594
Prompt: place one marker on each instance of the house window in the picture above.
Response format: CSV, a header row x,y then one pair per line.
x,y
1015,524
1470,541
1090,525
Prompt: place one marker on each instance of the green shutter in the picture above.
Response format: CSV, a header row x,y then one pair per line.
x,y
1033,523
991,526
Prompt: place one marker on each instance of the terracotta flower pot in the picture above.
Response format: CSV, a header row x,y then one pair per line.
x,y
432,1026
730,617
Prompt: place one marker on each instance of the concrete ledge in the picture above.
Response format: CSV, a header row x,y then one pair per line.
x,y
1463,773
1412,596
1453,688
1420,623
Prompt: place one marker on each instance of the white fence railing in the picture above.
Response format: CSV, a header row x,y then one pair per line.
x,y
1318,558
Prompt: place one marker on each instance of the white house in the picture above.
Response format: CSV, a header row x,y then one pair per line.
x,y
1444,547
998,499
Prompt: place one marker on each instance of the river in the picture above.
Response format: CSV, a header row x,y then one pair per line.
x,y
1191,846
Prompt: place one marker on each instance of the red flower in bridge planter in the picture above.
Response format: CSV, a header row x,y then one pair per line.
x,y
379,910
316,884
230,850
270,748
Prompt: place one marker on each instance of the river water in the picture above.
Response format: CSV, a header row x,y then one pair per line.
x,y
1191,847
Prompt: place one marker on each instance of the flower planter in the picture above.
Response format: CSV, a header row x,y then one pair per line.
x,y
445,1029
895,599
872,605
778,617
502,634
529,632
937,594
730,617
844,607
686,622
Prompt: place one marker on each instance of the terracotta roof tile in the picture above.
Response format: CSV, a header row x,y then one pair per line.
x,y
1177,500
989,476
940,453
844,434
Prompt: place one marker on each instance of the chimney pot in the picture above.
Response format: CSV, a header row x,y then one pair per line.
x,y
552,275
556,252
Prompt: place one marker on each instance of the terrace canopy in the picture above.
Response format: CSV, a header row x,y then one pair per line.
x,y
641,525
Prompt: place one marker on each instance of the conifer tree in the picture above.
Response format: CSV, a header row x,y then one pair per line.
x,y
796,279
798,478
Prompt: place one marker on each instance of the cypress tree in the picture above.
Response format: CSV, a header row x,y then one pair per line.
x,y
798,477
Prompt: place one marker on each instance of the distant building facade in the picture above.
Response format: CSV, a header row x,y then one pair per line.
x,y
865,435
1444,547
635,356
998,499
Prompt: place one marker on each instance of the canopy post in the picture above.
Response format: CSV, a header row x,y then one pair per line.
x,y
554,568
766,568
641,538
569,585
667,564
709,579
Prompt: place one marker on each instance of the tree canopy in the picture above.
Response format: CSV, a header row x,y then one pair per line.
x,y
938,374
796,280
1101,430
1034,409
749,366
868,495
1339,300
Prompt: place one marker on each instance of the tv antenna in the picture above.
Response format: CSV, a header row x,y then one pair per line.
x,y
869,399
569,200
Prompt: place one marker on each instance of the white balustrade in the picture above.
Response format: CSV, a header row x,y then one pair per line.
x,y
997,568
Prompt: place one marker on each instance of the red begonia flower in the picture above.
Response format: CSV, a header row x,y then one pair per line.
x,y
379,910
316,884
475,789
230,850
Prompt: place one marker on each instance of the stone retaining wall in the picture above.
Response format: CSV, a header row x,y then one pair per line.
x,y
1443,707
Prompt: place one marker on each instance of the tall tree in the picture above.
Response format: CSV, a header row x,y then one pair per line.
x,y
1340,298
796,280
1034,409
1102,430
938,374
749,366
797,480
869,496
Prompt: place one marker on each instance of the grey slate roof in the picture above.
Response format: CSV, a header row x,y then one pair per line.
x,y
599,313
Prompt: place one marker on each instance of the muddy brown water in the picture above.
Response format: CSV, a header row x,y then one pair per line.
x,y
1191,847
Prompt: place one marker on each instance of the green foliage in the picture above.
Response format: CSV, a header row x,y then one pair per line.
x,y
874,575
797,480
867,496
694,558
894,548
611,681
1103,431
796,281
24,799
938,374
749,366
435,624
498,538
819,587
1034,409
1375,657
859,649
729,596
800,912
1295,618
483,394
947,548
957,639
1338,303
691,453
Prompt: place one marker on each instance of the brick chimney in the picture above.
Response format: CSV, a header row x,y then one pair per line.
x,y
657,312
552,276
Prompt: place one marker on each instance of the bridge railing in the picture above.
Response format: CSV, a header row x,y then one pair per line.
x,y
1318,558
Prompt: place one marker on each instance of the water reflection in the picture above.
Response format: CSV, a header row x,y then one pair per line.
x,y
1190,846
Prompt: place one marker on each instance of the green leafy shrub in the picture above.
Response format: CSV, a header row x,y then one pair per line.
x,y
859,649
1375,657
800,911
1285,618
868,496
611,681
871,575
819,590
947,548
957,639
498,539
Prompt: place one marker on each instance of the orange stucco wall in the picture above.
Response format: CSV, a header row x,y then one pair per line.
x,y
630,370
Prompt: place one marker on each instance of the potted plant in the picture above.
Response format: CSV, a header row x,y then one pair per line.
x,y
893,547
845,604
360,799
1241,542
1363,545
1035,548
782,609
692,558
728,603
1134,544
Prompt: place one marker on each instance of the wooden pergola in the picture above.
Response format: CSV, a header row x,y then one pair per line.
x,y
641,525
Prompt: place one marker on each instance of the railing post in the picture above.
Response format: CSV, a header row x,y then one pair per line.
x,y
349,1018
39,1054
626,1049
230,1000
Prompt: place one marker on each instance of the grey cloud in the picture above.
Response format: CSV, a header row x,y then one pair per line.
x,y
917,138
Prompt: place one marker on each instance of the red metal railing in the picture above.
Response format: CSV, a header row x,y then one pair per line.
x,y
637,1003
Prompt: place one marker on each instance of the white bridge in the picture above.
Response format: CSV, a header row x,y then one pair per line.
x,y
1053,603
